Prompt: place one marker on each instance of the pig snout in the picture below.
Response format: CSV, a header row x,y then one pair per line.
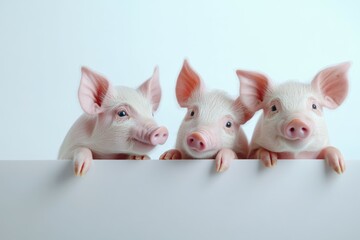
x,y
196,142
201,141
151,135
296,129
159,136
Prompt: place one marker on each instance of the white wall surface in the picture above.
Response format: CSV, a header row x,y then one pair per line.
x,y
162,200
43,44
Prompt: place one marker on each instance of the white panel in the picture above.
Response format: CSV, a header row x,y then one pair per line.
x,y
300,199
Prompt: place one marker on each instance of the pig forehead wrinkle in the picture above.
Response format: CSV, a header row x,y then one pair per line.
x,y
291,94
132,97
214,104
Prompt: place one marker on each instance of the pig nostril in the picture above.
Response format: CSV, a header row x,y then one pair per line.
x,y
157,135
292,129
304,129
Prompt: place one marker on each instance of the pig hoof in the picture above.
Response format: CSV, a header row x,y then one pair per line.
x,y
81,167
222,165
268,158
82,161
335,159
171,155
139,157
223,159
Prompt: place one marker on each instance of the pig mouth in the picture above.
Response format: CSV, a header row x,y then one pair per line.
x,y
297,142
209,153
141,143
140,147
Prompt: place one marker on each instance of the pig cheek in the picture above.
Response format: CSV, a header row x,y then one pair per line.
x,y
318,126
272,126
136,148
119,134
232,130
104,129
227,141
105,119
188,126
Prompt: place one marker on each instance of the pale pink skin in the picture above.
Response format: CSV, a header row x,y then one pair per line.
x,y
118,122
292,124
204,133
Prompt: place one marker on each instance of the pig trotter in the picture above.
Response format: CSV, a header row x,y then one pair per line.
x,y
171,155
223,159
139,157
268,158
334,159
82,161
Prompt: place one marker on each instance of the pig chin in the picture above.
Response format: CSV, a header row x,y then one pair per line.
x,y
202,155
210,154
283,144
140,147
294,145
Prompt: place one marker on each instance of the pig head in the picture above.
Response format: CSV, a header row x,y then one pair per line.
x,y
211,124
118,121
292,124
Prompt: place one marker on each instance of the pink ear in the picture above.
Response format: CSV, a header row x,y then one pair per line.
x,y
151,89
253,87
92,91
333,84
187,83
242,111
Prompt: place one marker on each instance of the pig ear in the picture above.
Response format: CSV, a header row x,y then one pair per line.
x,y
151,89
187,83
333,85
243,113
253,87
92,91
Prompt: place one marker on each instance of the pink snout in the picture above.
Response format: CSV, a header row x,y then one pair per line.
x,y
196,142
296,129
159,136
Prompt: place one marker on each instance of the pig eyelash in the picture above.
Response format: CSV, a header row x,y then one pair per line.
x,y
191,113
315,107
273,108
122,113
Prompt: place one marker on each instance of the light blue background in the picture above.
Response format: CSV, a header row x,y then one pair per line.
x,y
43,44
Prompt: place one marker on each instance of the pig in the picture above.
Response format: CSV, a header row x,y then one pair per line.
x,y
211,127
117,123
292,124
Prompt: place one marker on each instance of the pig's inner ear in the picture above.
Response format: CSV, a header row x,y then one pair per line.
x,y
151,89
333,85
253,88
92,91
243,113
187,83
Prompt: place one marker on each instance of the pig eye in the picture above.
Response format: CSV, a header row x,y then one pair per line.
x,y
228,124
273,108
314,106
122,114
192,113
